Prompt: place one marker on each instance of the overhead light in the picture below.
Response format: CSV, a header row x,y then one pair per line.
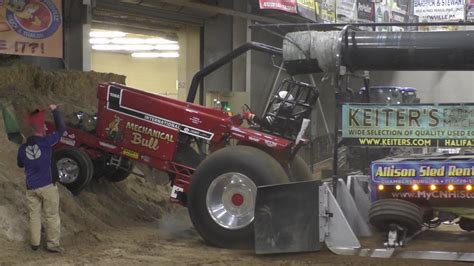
x,y
156,55
128,41
107,47
99,41
159,41
167,47
118,47
106,34
137,47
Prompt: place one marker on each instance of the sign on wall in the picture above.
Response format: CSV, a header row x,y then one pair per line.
x,y
365,12
346,10
308,9
31,27
289,6
447,125
327,11
425,172
439,10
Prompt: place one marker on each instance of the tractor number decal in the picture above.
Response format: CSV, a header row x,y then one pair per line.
x,y
114,103
113,130
131,154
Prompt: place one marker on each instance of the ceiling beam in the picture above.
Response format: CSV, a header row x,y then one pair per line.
x,y
220,10
114,14
108,23
142,11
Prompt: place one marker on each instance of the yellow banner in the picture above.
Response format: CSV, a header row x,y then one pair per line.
x,y
31,27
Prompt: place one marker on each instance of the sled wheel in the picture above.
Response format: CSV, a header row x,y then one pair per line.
x,y
466,224
299,170
386,211
74,168
223,192
116,175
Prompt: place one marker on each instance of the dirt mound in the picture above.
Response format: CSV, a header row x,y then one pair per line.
x,y
26,87
101,206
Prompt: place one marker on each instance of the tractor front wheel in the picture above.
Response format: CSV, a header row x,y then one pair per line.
x,y
222,195
74,168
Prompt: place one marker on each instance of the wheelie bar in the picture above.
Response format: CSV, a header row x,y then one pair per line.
x,y
404,254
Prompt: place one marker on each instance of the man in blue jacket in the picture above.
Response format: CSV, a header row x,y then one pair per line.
x,y
42,193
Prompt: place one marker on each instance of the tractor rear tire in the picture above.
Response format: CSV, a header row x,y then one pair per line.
x,y
222,194
386,211
116,175
74,168
299,170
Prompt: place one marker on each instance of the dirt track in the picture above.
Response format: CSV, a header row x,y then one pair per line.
x,y
169,241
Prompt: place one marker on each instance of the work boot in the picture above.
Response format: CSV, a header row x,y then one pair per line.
x,y
57,249
34,247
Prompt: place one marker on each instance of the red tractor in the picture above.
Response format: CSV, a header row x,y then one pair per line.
x,y
214,164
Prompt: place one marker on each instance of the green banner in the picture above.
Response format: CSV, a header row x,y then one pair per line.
x,y
446,125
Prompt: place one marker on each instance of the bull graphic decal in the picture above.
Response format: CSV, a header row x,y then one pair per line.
x,y
113,130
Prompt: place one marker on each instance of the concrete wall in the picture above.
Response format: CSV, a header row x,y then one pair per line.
x,y
158,75
222,34
217,43
218,36
433,86
189,59
240,35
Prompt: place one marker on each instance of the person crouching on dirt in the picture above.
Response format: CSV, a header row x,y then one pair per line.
x,y
269,121
42,192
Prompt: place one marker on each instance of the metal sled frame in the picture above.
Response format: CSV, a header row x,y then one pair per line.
x,y
342,209
323,219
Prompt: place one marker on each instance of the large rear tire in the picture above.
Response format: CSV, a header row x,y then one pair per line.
x,y
74,168
299,170
386,211
221,198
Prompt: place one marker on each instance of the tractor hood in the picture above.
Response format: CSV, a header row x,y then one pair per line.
x,y
256,138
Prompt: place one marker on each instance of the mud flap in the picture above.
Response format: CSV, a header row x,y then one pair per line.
x,y
287,218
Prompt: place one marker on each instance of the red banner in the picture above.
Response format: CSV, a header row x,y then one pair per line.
x,y
31,27
289,6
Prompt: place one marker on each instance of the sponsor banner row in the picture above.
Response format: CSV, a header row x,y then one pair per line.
x,y
331,11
